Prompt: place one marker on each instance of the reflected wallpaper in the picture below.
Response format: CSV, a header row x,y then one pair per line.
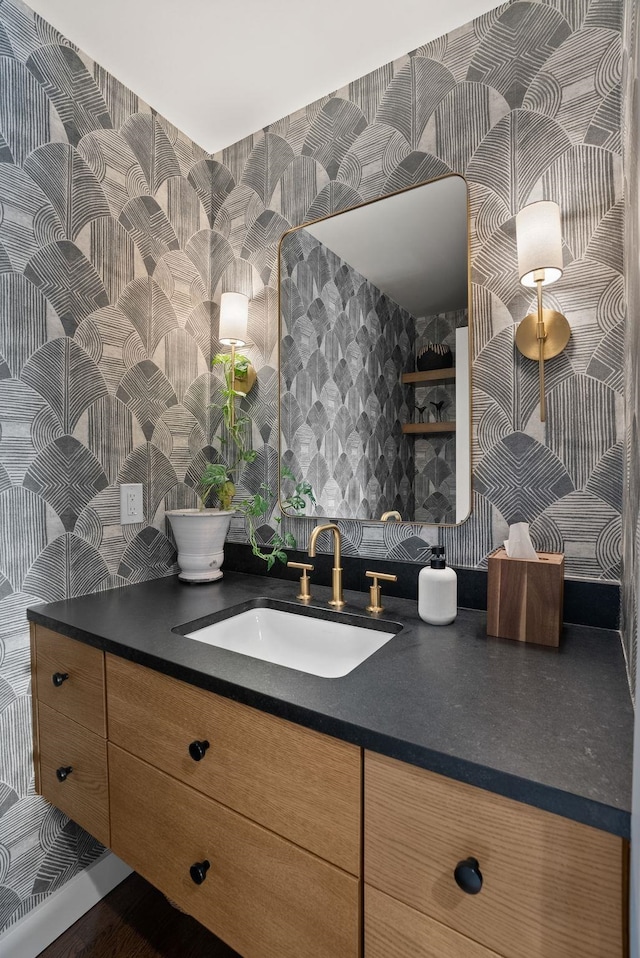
x,y
345,345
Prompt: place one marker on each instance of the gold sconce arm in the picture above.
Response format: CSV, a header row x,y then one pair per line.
x,y
545,333
542,336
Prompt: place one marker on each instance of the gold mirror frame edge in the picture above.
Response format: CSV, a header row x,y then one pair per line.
x,y
320,219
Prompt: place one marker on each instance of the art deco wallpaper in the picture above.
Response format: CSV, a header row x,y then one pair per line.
x,y
345,345
631,505
525,102
117,235
106,319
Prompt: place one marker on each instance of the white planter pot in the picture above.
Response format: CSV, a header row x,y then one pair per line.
x,y
200,536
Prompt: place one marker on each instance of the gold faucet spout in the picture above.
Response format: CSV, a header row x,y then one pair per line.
x,y
337,600
337,541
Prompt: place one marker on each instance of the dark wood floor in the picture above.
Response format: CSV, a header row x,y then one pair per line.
x,y
136,921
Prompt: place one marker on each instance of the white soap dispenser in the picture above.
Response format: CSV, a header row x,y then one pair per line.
x,y
437,590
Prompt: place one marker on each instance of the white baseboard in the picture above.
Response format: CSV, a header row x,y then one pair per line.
x,y
48,920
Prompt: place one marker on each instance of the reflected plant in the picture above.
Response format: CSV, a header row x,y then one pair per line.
x,y
438,406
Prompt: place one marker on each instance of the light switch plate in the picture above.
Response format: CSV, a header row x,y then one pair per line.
x,y
131,503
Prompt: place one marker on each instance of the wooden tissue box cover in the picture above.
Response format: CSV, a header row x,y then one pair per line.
x,y
524,597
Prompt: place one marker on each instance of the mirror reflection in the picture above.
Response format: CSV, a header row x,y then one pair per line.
x,y
374,357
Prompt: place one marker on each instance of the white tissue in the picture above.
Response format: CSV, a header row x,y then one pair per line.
x,y
519,545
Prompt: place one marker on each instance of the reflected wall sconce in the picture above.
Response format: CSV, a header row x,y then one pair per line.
x,y
545,333
234,318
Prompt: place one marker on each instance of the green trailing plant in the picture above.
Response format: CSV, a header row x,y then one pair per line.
x,y
218,480
260,505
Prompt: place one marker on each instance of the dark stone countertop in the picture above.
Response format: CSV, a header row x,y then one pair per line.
x,y
552,728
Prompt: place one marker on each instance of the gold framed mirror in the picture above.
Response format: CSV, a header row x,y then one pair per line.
x,y
374,357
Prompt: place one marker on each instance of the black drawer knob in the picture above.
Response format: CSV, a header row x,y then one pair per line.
x,y
63,772
199,871
468,876
197,750
58,678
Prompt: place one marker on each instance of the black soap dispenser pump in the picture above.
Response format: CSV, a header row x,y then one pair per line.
x,y
437,590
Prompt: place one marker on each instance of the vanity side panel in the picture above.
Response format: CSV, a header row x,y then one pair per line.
x,y
261,894
550,886
299,783
34,709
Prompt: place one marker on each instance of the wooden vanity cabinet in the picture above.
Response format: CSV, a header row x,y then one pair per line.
x,y
254,826
268,811
263,895
248,822
537,885
394,930
296,782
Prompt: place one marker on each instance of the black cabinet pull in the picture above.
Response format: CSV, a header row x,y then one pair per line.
x,y
468,876
63,772
197,750
58,678
199,871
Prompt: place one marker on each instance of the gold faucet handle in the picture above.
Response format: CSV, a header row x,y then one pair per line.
x,y
375,590
305,589
383,576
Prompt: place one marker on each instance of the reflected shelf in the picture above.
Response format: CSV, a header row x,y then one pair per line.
x,y
429,375
424,427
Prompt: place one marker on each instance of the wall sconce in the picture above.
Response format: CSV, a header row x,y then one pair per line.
x,y
544,334
234,316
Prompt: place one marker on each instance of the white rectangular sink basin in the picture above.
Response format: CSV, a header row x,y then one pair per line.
x,y
318,646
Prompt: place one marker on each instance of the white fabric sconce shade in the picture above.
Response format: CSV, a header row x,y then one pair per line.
x,y
539,239
234,315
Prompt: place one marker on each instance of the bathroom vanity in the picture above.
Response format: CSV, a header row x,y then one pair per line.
x,y
385,813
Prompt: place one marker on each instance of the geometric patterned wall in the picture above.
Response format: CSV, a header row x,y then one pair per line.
x,y
117,235
107,274
345,345
538,87
558,69
631,506
525,103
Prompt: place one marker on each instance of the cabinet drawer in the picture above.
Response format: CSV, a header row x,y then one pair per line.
x,y
262,895
81,694
393,930
296,782
550,886
83,795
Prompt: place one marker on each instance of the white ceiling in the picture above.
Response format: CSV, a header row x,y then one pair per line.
x,y
220,70
412,245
